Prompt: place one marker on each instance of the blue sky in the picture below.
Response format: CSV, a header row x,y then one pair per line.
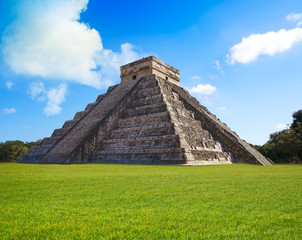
x,y
240,59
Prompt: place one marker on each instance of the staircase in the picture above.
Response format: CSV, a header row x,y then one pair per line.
x,y
144,121
144,133
36,153
201,145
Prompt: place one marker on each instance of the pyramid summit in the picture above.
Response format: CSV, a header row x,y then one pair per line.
x,y
146,119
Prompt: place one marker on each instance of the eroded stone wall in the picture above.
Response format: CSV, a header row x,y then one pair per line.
x,y
148,66
77,136
242,152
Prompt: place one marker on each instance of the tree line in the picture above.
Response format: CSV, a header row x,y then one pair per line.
x,y
10,150
285,146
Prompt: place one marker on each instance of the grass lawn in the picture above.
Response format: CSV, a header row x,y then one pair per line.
x,y
94,201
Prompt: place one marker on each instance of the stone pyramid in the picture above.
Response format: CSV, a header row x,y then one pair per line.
x,y
146,119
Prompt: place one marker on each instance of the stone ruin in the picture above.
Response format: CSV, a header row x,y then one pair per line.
x,y
146,119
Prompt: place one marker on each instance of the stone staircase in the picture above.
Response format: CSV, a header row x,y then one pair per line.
x,y
144,133
199,142
36,153
144,121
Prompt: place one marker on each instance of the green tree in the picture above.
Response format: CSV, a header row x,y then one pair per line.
x,y
285,146
297,119
10,150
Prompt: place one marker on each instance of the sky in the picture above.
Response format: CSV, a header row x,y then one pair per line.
x,y
240,58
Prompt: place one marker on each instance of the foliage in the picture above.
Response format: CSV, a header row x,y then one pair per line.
x,y
103,201
10,150
285,146
297,119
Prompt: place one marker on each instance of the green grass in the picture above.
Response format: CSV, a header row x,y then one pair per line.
x,y
94,201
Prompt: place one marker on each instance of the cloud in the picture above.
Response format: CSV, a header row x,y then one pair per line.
x,y
218,67
26,126
222,108
281,126
9,110
203,93
295,17
111,61
268,43
38,89
9,85
195,77
48,40
201,89
54,97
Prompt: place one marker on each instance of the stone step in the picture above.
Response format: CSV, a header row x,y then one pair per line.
x,y
186,114
211,155
187,122
80,115
192,132
60,132
69,123
156,99
143,156
138,111
111,88
90,106
206,162
201,144
30,158
100,97
152,118
50,140
143,131
142,142
148,84
143,160
40,149
180,109
146,92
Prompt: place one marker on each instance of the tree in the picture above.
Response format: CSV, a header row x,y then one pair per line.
x,y
285,146
10,150
297,119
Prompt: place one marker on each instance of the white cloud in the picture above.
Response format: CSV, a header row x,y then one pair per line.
x,y
9,110
54,97
217,66
9,85
281,126
48,40
268,43
204,93
110,61
295,17
222,108
201,89
196,77
26,126
206,99
37,89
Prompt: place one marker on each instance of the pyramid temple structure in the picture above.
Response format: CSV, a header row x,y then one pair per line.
x,y
146,119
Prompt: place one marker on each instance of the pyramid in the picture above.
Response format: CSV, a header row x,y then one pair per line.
x,y
146,119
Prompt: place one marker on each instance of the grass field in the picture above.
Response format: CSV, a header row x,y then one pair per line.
x,y
96,201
